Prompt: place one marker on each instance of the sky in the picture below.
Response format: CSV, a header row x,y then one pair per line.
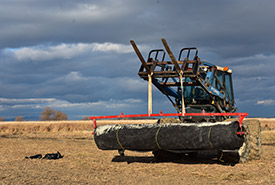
x,y
75,56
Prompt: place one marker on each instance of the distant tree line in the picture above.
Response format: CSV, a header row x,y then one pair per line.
x,y
18,118
85,118
49,114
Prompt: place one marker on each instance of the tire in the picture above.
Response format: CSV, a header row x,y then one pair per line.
x,y
232,157
252,148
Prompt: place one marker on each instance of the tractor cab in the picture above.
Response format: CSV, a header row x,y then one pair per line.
x,y
201,85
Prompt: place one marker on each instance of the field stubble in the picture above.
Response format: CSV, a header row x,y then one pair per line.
x,y
83,163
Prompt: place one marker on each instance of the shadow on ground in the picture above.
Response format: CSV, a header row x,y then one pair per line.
x,y
182,160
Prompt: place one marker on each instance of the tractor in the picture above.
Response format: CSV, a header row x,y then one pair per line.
x,y
202,95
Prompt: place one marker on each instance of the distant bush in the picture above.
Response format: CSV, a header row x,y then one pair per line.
x,y
60,116
19,118
85,118
49,114
2,119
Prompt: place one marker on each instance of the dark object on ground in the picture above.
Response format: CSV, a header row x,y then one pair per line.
x,y
37,156
53,156
47,156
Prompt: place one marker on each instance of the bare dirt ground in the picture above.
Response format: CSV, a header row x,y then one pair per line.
x,y
83,163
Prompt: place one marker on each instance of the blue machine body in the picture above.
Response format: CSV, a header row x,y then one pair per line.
x,y
205,86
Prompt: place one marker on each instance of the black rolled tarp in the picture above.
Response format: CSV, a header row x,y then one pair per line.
x,y
169,136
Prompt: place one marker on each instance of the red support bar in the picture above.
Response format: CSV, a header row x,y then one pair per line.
x,y
160,114
94,121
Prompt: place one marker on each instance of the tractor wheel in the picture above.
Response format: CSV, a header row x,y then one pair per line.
x,y
229,157
251,149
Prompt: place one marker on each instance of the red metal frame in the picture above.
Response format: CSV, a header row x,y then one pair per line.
x,y
160,114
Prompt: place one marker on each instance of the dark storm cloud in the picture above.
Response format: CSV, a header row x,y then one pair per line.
x,y
215,24
77,53
54,72
32,22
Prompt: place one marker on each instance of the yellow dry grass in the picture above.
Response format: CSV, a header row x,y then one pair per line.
x,y
60,126
267,123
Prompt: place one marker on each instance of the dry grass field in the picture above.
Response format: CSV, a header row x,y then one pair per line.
x,y
83,163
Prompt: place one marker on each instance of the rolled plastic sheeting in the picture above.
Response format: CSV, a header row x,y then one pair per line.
x,y
169,136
